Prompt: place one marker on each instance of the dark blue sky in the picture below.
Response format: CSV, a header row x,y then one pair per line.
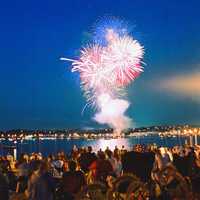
x,y
37,90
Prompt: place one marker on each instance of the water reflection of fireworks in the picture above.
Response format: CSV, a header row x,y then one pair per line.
x,y
111,143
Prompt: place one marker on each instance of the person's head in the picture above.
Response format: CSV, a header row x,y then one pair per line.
x,y
10,158
35,165
44,167
3,167
72,165
117,156
50,158
26,157
109,154
192,149
162,150
62,153
21,159
90,149
102,156
157,153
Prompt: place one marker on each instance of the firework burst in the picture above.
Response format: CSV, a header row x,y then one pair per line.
x,y
106,68
124,56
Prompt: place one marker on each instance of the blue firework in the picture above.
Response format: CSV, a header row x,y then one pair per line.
x,y
102,26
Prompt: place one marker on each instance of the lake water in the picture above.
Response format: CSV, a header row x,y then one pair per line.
x,y
47,146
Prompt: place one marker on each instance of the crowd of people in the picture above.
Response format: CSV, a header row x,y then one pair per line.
x,y
145,172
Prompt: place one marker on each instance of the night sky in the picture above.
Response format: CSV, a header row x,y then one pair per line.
x,y
37,90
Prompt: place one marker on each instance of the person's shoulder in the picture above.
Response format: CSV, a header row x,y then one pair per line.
x,y
91,154
80,173
83,155
34,178
47,175
66,173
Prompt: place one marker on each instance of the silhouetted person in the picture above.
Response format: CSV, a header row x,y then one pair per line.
x,y
72,181
86,159
101,168
139,164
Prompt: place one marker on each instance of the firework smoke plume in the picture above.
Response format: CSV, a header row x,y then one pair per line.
x,y
106,66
